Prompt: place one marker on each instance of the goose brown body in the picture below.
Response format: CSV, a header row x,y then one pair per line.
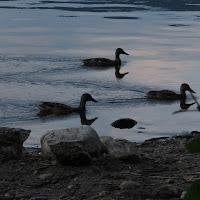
x,y
170,95
103,62
48,108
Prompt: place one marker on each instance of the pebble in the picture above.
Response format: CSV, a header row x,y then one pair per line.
x,y
183,194
54,181
129,185
45,176
102,194
63,196
70,187
76,179
169,180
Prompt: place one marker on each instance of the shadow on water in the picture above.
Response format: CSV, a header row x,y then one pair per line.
x,y
121,17
172,5
178,25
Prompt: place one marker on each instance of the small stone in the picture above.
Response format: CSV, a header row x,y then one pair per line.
x,y
183,194
32,198
169,180
121,149
129,185
76,179
70,187
54,181
46,176
63,196
168,192
102,194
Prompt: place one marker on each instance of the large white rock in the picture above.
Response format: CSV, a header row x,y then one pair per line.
x,y
121,149
75,145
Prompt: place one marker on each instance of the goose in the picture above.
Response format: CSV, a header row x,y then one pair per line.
x,y
48,108
103,62
170,95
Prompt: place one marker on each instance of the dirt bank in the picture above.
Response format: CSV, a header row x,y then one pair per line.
x,y
166,169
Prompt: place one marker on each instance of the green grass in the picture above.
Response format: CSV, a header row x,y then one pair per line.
x,y
194,146
193,193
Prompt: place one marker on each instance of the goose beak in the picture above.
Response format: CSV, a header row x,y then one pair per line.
x,y
125,53
94,100
192,91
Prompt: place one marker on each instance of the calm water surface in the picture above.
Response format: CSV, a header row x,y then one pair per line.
x,y
43,42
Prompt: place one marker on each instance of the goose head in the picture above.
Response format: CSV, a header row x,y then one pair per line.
x,y
186,87
87,97
120,51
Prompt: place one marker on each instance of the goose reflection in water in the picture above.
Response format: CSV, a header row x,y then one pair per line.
x,y
117,72
184,106
85,121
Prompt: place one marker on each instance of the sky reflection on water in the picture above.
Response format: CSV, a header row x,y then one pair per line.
x,y
43,42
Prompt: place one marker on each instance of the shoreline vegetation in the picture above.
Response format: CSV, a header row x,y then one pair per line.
x,y
166,171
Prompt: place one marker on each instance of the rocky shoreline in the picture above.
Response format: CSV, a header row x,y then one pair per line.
x,y
166,169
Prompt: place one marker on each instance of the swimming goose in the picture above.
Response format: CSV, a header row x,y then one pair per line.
x,y
48,108
103,62
169,95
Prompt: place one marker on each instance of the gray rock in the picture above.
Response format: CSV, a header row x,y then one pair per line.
x,y
121,149
124,123
74,146
129,185
11,142
168,192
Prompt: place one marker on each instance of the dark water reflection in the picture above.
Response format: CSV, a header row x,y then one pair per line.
x,y
172,5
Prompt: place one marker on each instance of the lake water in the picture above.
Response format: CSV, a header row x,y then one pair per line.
x,y
43,42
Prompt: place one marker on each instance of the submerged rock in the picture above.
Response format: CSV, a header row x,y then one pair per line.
x,y
11,142
73,146
121,149
124,123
